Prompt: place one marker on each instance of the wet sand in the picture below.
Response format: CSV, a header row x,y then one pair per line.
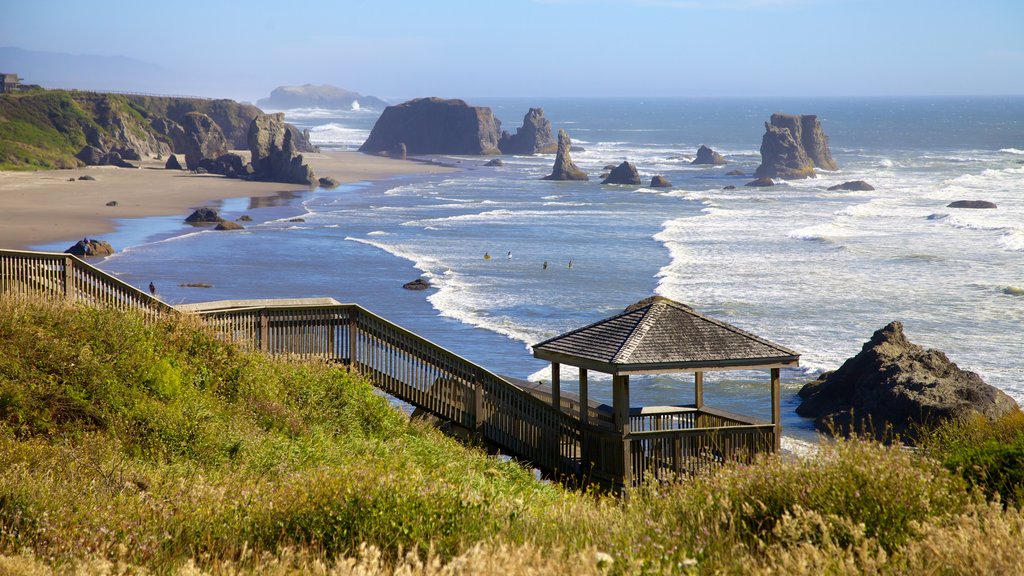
x,y
48,206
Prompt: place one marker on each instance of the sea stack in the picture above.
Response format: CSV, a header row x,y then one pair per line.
x,y
706,155
792,146
625,173
274,157
564,169
894,386
435,126
533,137
204,140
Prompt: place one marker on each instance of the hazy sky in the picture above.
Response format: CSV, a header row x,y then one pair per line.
x,y
399,48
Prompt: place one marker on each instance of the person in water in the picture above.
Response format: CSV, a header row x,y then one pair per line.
x,y
487,255
509,255
545,264
570,263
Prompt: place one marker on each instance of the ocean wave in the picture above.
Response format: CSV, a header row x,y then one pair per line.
x,y
1012,241
378,233
1016,151
334,133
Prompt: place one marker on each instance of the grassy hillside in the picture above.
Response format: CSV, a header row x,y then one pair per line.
x,y
42,129
128,447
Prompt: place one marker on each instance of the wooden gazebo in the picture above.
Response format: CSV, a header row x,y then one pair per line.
x,y
659,336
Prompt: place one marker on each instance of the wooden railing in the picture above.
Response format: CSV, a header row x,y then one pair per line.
x,y
664,442
49,274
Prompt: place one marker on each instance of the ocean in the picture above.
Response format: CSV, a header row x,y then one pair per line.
x,y
814,270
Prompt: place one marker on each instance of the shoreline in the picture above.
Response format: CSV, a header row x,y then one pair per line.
x,y
45,207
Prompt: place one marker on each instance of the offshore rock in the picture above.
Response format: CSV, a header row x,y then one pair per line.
x,y
792,146
624,173
975,204
87,247
660,182
326,96
274,157
853,185
435,126
203,139
494,162
328,182
706,155
533,137
564,169
228,225
204,215
893,386
417,284
736,172
172,163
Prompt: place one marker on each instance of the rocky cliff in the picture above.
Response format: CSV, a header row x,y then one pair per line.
x,y
47,128
310,96
533,137
792,146
895,383
204,139
435,126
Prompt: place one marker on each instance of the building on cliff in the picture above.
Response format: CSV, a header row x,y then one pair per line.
x,y
9,82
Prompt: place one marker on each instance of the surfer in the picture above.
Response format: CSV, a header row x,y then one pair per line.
x,y
487,255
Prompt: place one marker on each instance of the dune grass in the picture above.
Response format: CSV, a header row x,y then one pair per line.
x,y
127,446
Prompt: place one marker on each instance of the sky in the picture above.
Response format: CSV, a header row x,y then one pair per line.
x,y
552,48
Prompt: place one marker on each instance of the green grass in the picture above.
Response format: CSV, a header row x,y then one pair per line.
x,y
127,447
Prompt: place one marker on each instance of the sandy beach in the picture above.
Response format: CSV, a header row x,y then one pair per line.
x,y
52,205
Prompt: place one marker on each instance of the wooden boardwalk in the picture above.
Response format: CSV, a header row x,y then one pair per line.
x,y
520,420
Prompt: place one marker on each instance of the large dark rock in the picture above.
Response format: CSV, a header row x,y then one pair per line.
x,y
624,173
417,284
228,225
706,155
893,386
172,163
793,146
204,215
171,131
203,139
87,247
310,96
300,139
533,137
975,204
494,162
113,158
435,126
660,182
274,157
231,165
564,169
90,155
853,185
328,182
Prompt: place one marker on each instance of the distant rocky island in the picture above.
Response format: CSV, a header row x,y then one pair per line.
x,y
325,96
440,126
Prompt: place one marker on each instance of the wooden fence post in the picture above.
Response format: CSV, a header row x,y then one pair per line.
x,y
478,403
264,330
353,336
69,278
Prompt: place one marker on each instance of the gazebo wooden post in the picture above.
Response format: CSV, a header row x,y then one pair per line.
x,y
776,409
584,421
556,385
620,405
698,398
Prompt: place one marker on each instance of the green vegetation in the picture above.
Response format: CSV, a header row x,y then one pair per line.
x,y
127,446
41,130
990,455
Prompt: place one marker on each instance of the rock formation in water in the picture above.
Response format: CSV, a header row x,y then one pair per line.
x,y
328,182
204,215
274,157
893,385
763,181
435,126
974,204
417,284
203,139
854,186
625,173
792,146
310,96
706,155
87,247
660,182
533,137
564,169
228,225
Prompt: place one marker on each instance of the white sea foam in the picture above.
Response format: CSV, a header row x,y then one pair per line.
x,y
1012,241
334,133
1017,151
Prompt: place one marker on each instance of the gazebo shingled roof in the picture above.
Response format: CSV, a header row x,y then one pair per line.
x,y
659,335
